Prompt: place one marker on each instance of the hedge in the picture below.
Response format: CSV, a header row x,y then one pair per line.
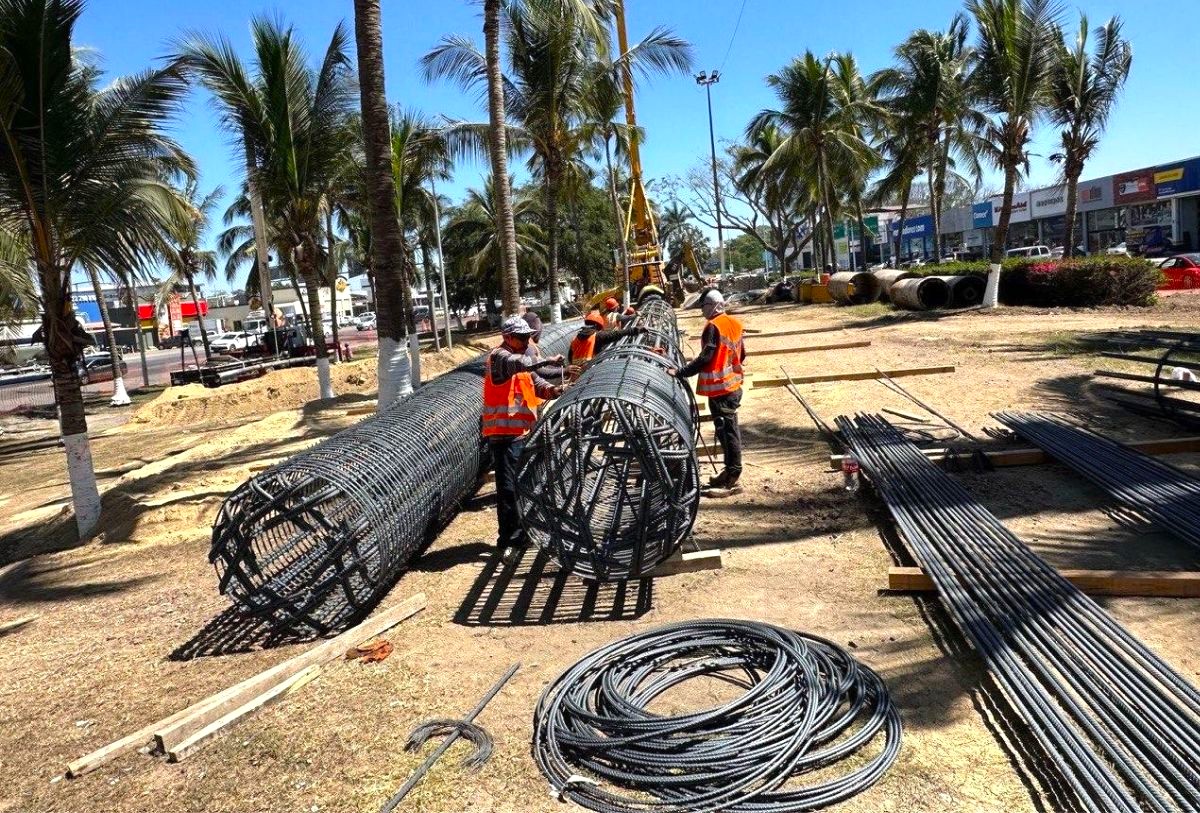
x,y
1076,282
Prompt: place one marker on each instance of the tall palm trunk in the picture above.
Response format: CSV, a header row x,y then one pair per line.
x,y
930,171
585,274
862,233
331,270
991,294
119,396
131,298
387,243
191,281
552,234
618,218
904,199
428,267
312,282
510,281
260,234
295,278
1074,170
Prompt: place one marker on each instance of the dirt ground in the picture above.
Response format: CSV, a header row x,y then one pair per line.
x,y
121,619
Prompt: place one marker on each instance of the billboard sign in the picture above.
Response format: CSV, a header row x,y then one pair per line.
x,y
1134,187
1050,202
982,215
1020,207
1093,195
1175,179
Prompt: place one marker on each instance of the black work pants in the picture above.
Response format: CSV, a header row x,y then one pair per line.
x,y
506,451
725,420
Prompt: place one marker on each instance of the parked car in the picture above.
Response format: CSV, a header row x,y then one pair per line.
x,y
1121,248
1182,271
366,322
231,343
1029,251
97,367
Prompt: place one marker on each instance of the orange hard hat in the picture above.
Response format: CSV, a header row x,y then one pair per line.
x,y
595,318
611,304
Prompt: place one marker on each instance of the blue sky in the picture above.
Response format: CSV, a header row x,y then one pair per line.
x,y
1157,121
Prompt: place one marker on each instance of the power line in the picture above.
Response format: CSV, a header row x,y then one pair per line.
x,y
733,36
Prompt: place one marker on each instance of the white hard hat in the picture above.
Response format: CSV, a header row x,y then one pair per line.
x,y
714,297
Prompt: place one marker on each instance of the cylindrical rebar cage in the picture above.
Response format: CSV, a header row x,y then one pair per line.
x,y
315,541
609,482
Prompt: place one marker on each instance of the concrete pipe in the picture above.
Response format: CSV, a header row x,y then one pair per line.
x,y
887,277
853,288
921,293
965,291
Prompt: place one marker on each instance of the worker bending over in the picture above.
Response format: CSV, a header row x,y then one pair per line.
x,y
719,365
512,391
613,315
594,337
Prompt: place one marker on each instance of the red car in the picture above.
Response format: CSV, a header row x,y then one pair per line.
x,y
1182,271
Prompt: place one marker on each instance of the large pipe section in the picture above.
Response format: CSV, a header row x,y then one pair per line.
x,y
853,287
966,291
887,277
921,293
1115,721
609,482
315,541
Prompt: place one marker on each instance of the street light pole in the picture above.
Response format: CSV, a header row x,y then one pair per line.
x,y
437,231
708,80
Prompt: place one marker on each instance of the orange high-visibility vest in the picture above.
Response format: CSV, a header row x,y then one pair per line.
x,y
723,374
509,409
582,348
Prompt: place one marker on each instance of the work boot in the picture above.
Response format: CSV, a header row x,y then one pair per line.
x,y
720,481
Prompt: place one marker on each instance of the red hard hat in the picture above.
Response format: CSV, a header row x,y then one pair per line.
x,y
595,318
611,304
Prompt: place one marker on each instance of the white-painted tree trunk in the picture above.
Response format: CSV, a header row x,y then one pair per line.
x,y
85,496
556,313
324,379
119,397
414,356
395,372
991,294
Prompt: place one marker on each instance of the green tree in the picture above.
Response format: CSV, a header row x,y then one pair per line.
x,y
184,259
1015,58
81,163
1084,88
744,253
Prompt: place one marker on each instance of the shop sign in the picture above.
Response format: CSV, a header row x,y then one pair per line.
x,y
1177,179
913,226
982,215
1093,195
1020,207
1134,187
1050,202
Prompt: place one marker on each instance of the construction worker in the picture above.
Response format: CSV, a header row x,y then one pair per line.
x,y
613,316
593,337
512,391
719,365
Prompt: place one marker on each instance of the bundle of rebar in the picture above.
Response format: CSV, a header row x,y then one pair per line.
x,y
1120,726
608,481
812,727
314,542
1153,488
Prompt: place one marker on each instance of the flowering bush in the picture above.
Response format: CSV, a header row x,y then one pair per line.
x,y
1076,282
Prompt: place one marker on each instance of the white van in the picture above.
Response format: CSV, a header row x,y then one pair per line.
x,y
1029,251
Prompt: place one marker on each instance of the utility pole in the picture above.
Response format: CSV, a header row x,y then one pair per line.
x,y
437,232
708,80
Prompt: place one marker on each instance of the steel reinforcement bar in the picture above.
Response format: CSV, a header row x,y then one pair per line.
x,y
315,541
608,481
1157,490
1119,725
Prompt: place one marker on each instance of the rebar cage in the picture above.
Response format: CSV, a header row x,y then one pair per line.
x,y
608,482
316,541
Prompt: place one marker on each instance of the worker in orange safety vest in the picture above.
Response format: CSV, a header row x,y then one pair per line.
x,y
512,391
719,366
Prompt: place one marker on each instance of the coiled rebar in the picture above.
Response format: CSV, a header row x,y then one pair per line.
x,y
608,481
604,743
315,541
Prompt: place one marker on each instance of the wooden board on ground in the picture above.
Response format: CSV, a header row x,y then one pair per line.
x,y
1093,582
173,729
810,348
689,562
1033,457
14,625
771,334
864,375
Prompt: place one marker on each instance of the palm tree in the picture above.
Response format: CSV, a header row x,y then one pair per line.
x,y
294,116
1015,57
80,170
184,258
384,251
474,235
902,149
120,397
779,192
823,139
868,119
1083,91
498,153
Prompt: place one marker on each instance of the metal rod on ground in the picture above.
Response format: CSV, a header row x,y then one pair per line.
x,y
453,736
895,386
812,413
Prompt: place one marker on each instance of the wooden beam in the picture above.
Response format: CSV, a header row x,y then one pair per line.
x,y
689,562
779,351
1033,457
769,334
214,706
1149,379
864,375
1093,582
17,623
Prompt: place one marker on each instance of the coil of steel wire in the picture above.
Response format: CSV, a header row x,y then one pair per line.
x,y
608,481
315,541
1158,490
1116,722
602,741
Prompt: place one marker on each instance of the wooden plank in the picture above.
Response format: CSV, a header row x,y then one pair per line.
x,y
864,375
1149,379
769,334
192,743
17,623
780,351
690,562
370,409
323,652
1092,582
169,736
1033,457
